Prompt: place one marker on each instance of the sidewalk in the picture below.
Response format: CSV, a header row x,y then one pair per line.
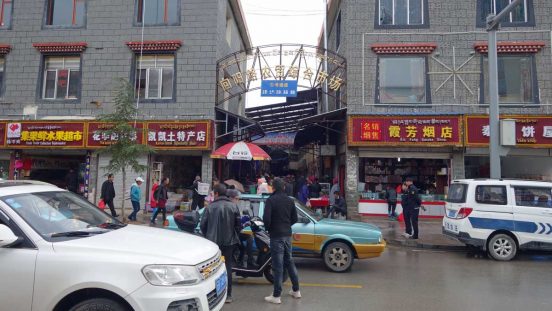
x,y
430,233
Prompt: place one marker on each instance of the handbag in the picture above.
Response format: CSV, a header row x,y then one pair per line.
x,y
101,204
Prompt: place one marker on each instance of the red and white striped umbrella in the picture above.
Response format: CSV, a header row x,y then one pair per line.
x,y
240,151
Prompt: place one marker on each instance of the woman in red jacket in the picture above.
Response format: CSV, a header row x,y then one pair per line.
x,y
153,201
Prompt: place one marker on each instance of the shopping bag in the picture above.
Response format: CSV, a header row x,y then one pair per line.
x,y
101,204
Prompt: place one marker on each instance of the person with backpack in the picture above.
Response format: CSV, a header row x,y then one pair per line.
x,y
391,198
161,196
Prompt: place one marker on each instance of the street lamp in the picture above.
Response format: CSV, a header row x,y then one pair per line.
x,y
493,23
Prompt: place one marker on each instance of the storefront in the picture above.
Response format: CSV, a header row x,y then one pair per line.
x,y
530,158
390,149
5,155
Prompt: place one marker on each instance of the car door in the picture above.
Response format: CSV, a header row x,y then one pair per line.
x,y
533,215
17,270
303,234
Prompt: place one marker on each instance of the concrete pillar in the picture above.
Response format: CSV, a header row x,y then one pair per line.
x,y
206,167
458,165
351,183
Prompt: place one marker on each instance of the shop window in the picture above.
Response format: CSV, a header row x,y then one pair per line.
x,y
402,80
517,81
493,195
521,16
533,196
2,65
6,7
62,78
401,14
71,13
158,12
154,76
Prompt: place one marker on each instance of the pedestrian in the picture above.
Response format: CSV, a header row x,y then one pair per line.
x,y
108,194
279,215
153,200
303,195
262,186
315,188
234,196
339,206
135,197
411,203
161,196
391,198
198,200
72,181
220,224
335,188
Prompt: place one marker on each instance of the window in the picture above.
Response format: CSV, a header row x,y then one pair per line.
x,y
338,31
517,82
5,13
522,15
401,13
155,76
402,80
158,12
65,13
494,195
533,196
457,193
2,64
62,77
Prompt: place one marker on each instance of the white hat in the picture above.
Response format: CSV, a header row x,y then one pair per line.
x,y
139,179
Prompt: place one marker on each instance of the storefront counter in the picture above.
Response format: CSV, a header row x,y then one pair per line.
x,y
378,207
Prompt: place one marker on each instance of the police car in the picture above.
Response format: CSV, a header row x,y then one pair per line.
x,y
500,216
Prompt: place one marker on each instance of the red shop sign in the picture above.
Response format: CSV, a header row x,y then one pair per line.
x,y
45,134
179,135
98,134
531,131
405,130
2,134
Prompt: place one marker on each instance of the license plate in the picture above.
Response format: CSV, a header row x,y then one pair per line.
x,y
451,227
220,283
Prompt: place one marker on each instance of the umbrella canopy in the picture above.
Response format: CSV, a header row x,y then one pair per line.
x,y
240,151
236,184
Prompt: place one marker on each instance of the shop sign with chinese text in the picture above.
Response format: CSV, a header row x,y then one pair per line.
x,y
99,134
45,134
405,130
179,135
279,88
531,131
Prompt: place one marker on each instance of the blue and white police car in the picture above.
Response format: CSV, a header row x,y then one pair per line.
x,y
500,216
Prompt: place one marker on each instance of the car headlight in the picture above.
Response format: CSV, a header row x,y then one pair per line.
x,y
380,239
171,275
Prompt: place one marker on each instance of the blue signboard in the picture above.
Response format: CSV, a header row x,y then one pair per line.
x,y
279,88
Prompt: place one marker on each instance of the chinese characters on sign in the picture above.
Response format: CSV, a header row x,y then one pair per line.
x,y
279,88
45,134
531,131
191,135
99,135
423,130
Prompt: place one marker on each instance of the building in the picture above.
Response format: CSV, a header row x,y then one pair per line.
x,y
59,61
417,93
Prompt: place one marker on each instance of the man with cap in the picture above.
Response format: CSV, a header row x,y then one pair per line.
x,y
135,196
411,203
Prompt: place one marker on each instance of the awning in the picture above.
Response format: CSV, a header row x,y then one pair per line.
x,y
327,118
324,128
235,127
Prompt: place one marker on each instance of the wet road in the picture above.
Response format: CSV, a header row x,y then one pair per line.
x,y
408,280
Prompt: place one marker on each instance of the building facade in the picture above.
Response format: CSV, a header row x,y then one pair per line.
x,y
59,65
417,93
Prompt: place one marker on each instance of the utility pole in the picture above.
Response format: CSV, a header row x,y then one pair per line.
x,y
325,86
493,24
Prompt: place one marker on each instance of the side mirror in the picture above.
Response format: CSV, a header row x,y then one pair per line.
x,y
303,220
7,237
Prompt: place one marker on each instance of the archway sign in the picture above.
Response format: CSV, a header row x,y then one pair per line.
x,y
276,69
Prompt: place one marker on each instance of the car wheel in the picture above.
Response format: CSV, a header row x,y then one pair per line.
x,y
502,247
98,304
269,275
338,257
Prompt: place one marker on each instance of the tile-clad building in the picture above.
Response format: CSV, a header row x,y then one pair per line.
x,y
417,92
59,61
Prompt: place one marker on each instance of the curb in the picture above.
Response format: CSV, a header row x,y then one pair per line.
x,y
418,245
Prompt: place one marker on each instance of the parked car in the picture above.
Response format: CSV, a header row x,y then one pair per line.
x,y
500,216
337,242
59,252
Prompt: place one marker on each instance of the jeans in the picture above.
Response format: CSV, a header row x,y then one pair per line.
x,y
280,249
247,249
411,221
135,210
391,206
228,253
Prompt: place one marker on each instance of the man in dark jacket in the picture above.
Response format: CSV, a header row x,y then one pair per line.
x,y
108,194
411,203
161,195
221,223
279,215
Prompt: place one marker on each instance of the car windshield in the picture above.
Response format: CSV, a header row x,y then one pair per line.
x,y
59,215
307,210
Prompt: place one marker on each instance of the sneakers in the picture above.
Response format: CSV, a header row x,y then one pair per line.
x,y
406,235
296,295
229,299
274,300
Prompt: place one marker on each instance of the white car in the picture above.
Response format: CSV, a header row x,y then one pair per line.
x,y
500,216
58,252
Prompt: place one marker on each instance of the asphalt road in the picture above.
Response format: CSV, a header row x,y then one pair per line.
x,y
409,280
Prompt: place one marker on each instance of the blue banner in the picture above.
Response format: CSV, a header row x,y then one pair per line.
x,y
279,88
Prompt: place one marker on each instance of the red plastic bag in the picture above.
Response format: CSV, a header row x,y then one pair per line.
x,y
101,204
